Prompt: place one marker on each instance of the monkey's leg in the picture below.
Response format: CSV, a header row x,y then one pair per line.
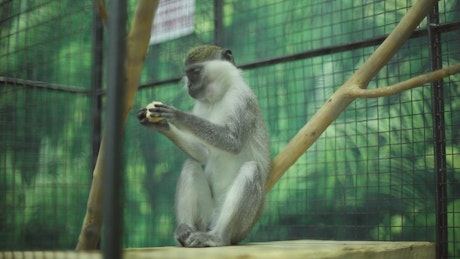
x,y
241,208
194,203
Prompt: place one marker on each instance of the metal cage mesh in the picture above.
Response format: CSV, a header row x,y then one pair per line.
x,y
371,175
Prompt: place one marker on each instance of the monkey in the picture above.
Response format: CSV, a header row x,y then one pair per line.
x,y
220,192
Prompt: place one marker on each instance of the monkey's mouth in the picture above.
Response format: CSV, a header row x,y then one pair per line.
x,y
193,91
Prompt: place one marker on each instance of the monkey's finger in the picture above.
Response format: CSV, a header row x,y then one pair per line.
x,y
141,114
154,110
161,110
143,121
163,107
159,105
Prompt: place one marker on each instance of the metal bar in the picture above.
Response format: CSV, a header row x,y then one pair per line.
x,y
174,80
114,163
341,48
261,63
219,38
322,51
45,85
439,143
96,84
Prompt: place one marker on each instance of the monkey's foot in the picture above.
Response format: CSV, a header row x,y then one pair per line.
x,y
203,239
182,233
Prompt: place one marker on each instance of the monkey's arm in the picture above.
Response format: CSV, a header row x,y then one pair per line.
x,y
230,137
186,142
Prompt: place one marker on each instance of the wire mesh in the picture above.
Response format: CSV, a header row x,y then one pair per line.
x,y
44,133
371,175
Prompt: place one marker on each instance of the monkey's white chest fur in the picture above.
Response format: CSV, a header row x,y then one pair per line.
x,y
222,166
221,170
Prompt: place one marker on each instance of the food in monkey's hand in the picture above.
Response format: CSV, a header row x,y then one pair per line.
x,y
151,116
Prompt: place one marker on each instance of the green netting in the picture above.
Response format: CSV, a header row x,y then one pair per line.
x,y
371,176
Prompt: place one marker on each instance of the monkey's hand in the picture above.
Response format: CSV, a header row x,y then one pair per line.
x,y
161,125
171,113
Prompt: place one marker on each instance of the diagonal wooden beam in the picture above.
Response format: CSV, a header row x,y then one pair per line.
x,y
340,100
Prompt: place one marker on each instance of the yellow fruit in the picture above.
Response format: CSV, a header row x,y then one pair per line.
x,y
149,114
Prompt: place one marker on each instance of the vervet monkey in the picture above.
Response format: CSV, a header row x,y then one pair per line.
x,y
220,192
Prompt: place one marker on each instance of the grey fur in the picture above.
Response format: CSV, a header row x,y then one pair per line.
x,y
220,192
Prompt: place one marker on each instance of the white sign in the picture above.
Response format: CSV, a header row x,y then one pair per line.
x,y
174,19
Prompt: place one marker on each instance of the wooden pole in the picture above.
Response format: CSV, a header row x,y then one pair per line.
x,y
136,49
340,100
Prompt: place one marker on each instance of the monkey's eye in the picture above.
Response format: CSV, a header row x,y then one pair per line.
x,y
193,74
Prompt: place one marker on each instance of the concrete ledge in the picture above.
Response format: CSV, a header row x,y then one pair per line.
x,y
314,249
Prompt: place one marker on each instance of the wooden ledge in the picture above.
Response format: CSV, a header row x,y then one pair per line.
x,y
314,249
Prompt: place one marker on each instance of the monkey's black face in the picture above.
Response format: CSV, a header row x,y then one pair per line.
x,y
195,81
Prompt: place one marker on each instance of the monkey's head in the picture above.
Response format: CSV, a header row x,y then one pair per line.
x,y
208,52
197,81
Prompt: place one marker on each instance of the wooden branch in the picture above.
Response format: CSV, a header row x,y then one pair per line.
x,y
406,85
346,93
137,45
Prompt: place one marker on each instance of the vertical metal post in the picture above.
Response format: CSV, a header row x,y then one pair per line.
x,y
114,164
96,84
219,38
439,144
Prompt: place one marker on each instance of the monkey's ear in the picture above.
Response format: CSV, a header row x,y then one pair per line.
x,y
227,55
